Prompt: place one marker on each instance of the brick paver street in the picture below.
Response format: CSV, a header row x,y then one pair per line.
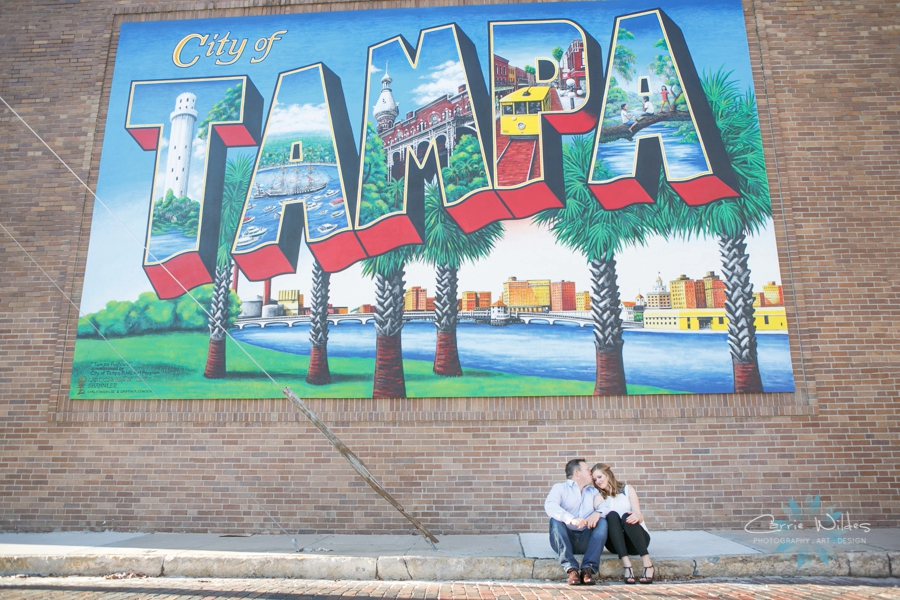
x,y
97,588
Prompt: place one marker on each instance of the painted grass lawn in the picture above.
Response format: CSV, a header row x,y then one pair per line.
x,y
173,363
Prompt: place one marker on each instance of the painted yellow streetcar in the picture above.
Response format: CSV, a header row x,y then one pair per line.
x,y
520,111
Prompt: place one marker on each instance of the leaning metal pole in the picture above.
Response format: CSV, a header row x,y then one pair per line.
x,y
354,461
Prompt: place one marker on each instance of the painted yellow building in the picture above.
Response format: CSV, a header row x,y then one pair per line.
x,y
773,293
582,301
766,318
530,293
291,301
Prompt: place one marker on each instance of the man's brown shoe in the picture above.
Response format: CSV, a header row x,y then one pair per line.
x,y
587,577
574,577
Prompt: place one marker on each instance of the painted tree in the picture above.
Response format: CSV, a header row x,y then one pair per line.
x,y
388,271
730,220
237,179
585,226
377,199
557,54
624,58
447,247
226,109
319,373
662,64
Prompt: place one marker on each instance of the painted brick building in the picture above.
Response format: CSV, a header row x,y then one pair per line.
x,y
702,461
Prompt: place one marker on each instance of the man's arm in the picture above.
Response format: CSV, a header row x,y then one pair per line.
x,y
553,507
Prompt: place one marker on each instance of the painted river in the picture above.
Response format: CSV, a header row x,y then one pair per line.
x,y
690,362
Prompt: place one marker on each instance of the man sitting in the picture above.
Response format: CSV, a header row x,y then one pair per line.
x,y
574,525
648,109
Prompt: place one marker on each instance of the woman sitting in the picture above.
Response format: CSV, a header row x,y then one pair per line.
x,y
627,532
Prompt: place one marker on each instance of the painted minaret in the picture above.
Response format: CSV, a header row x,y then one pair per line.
x,y
181,140
386,109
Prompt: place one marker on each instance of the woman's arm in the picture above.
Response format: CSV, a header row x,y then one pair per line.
x,y
636,515
600,505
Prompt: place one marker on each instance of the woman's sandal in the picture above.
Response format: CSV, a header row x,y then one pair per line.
x,y
629,576
644,578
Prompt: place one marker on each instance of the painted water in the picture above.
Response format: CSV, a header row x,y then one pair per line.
x,y
683,159
165,245
689,362
325,208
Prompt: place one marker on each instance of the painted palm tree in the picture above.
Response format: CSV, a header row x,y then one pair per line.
x,y
446,248
319,373
585,226
237,180
388,270
731,220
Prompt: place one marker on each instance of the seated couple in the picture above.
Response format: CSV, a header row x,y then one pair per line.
x,y
590,510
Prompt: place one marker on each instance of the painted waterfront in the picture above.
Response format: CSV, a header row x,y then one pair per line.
x,y
688,362
325,206
683,159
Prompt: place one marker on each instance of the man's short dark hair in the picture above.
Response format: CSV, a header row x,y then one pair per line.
x,y
572,466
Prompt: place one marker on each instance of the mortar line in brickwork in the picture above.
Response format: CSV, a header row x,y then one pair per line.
x,y
775,161
301,406
144,381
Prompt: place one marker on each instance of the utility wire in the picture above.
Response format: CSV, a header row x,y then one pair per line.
x,y
139,376
345,451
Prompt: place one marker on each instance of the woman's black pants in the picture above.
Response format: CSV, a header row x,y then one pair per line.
x,y
625,538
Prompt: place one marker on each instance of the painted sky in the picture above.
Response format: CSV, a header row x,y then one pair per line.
x,y
438,72
300,106
715,33
522,43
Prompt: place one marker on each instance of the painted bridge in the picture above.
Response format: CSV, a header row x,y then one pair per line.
x,y
581,318
335,319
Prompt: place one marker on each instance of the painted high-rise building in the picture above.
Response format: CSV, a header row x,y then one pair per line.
x,y
659,296
415,298
774,293
687,293
530,294
582,301
562,295
181,142
473,300
714,289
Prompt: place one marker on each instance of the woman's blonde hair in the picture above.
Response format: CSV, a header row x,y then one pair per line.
x,y
614,484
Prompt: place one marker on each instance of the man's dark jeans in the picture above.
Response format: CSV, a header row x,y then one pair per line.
x,y
567,543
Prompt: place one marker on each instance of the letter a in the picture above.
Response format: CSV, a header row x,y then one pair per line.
x,y
304,182
633,141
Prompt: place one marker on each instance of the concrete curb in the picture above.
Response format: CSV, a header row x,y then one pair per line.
x,y
437,568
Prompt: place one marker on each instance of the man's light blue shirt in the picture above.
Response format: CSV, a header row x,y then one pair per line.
x,y
565,503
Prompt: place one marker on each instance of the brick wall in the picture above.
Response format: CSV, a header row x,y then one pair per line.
x,y
829,96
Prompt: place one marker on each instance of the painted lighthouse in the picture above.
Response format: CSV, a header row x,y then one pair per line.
x,y
181,141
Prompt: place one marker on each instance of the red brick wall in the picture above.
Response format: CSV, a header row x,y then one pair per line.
x,y
829,94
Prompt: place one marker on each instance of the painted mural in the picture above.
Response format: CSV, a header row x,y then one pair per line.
x,y
511,200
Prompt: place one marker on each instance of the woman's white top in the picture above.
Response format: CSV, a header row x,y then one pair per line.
x,y
620,503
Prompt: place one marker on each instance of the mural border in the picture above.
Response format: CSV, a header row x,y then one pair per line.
x,y
61,408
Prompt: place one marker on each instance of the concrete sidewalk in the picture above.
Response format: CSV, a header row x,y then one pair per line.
x,y
676,554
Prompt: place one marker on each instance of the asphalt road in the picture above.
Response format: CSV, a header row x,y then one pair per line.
x,y
91,588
